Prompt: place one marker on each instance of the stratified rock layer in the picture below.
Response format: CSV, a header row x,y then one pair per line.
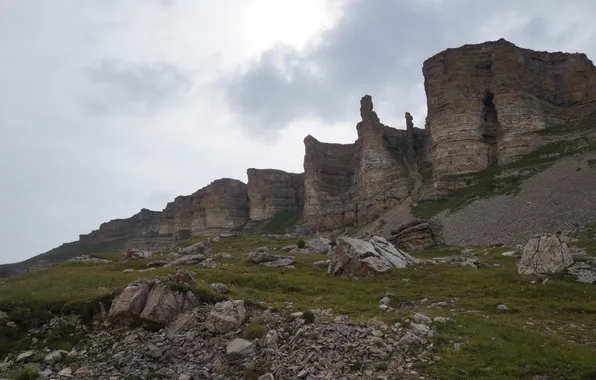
x,y
352,184
271,191
489,103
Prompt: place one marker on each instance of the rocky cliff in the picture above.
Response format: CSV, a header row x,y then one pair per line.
x,y
490,103
223,204
352,184
271,191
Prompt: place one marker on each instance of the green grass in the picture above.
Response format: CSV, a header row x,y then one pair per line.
x,y
281,223
519,349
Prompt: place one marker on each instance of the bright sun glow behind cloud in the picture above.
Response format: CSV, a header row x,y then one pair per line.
x,y
292,22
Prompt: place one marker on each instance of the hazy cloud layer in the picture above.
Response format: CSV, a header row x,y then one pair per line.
x,y
378,48
110,106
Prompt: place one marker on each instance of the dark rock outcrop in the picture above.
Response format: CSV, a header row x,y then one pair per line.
x,y
417,235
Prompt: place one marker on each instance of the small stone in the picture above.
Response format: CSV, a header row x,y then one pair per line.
x,y
436,358
385,301
378,333
502,307
457,347
239,347
45,373
184,377
25,356
219,287
66,372
421,318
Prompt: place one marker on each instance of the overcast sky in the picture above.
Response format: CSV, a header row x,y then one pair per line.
x,y
110,106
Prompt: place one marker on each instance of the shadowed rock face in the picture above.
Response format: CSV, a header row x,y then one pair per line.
x,y
489,103
222,205
271,191
352,184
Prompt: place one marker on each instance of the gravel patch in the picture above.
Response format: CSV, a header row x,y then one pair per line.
x,y
556,199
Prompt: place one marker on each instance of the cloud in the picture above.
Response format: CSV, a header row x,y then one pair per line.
x,y
119,86
378,48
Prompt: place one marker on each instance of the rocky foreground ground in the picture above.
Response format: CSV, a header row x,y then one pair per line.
x,y
343,309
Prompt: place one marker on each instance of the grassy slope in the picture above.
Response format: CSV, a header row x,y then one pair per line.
x,y
532,339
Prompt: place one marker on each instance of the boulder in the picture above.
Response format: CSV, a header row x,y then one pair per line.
x,y
157,264
225,316
321,264
188,260
138,254
584,271
265,258
219,287
163,305
207,263
417,235
319,245
544,254
152,304
128,305
355,258
397,258
182,322
239,347
3,316
203,247
222,255
289,248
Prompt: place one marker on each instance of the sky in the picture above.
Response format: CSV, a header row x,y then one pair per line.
x,y
107,107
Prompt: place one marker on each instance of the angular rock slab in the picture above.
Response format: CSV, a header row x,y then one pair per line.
x,y
225,316
355,258
544,254
151,304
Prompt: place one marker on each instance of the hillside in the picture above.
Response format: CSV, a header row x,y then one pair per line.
x,y
546,328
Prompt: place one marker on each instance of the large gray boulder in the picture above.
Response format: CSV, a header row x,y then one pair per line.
x,y
319,245
152,304
128,305
164,305
261,256
203,247
187,260
225,316
355,258
544,254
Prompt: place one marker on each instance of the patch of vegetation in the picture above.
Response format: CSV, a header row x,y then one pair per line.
x,y
492,181
382,366
256,370
281,223
592,163
69,250
301,244
28,373
308,316
255,331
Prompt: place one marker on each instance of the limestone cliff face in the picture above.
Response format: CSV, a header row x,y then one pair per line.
x,y
351,184
271,191
489,103
222,205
